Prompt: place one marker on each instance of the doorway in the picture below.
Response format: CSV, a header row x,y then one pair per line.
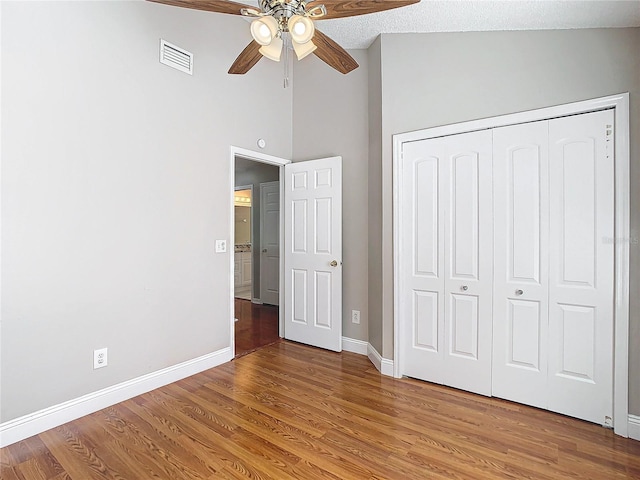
x,y
309,248
256,319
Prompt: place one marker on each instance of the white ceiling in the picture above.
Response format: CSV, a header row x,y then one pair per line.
x,y
482,15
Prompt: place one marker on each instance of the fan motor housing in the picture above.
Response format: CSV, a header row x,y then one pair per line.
x,y
283,10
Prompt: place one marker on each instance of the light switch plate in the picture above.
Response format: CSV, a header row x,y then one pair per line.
x,y
221,246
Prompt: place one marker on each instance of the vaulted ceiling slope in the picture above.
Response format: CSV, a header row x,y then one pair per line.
x,y
481,15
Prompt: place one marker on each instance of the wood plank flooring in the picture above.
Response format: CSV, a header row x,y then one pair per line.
x,y
256,326
289,411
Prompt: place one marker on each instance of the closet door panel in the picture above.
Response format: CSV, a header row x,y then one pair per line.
x,y
521,191
468,268
581,266
445,304
422,263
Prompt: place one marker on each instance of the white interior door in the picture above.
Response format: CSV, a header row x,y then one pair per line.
x,y
521,252
313,252
270,242
581,266
446,265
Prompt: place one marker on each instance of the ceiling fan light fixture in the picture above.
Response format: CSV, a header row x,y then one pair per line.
x,y
301,29
273,51
303,49
276,21
264,30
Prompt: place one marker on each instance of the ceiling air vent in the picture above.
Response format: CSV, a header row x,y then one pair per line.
x,y
176,57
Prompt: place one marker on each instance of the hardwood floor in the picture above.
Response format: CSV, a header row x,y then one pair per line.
x,y
257,326
289,411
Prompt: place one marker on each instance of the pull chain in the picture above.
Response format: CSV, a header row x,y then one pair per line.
x,y
286,62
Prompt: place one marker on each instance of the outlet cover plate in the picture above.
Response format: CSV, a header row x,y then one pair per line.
x,y
355,316
100,359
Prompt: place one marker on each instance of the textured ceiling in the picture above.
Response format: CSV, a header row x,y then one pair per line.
x,y
482,15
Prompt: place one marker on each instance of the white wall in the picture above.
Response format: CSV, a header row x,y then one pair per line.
x,y
330,117
438,79
115,184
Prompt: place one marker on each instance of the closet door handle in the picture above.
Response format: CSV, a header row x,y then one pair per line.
x,y
464,288
519,292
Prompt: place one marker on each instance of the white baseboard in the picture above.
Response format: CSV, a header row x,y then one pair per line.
x,y
634,427
384,365
34,423
354,346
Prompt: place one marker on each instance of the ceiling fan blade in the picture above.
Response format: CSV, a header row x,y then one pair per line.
x,y
218,6
247,59
350,8
333,54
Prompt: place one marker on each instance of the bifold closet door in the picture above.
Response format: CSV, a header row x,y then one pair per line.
x,y
521,252
581,266
446,261
553,270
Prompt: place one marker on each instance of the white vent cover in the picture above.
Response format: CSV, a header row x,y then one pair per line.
x,y
176,57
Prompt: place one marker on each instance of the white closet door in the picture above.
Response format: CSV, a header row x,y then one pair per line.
x,y
581,266
446,260
468,262
424,175
520,303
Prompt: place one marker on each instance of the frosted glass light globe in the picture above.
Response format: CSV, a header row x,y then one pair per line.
x,y
264,31
299,28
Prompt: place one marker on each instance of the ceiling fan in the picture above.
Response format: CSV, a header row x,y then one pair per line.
x,y
280,21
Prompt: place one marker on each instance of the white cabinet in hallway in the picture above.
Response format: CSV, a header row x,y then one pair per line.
x,y
242,267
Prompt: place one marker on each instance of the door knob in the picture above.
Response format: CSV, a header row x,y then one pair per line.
x,y
264,250
519,292
334,263
464,288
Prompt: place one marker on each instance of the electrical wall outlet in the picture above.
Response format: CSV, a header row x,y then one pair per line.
x,y
100,358
355,316
221,246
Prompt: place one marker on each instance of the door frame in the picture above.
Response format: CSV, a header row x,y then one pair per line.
x,y
620,104
280,163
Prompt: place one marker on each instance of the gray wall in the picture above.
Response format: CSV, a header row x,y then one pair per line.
x,y
374,195
330,118
249,172
115,184
438,79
